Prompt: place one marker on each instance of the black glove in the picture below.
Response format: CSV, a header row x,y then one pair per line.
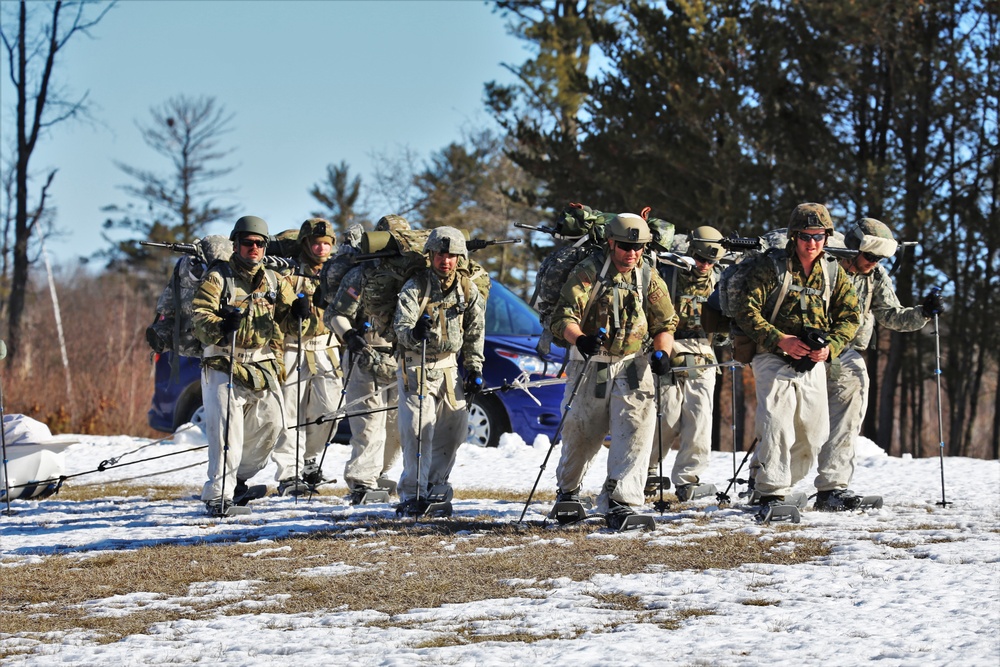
x,y
932,303
659,362
421,328
473,383
231,318
588,345
355,341
816,340
301,308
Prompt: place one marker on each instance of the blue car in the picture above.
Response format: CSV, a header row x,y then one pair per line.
x,y
512,331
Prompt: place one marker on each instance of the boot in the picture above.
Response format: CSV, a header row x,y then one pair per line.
x,y
837,500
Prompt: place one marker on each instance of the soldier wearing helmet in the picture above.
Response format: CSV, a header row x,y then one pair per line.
x,y
620,295
789,320
687,397
240,312
371,383
440,315
847,380
313,386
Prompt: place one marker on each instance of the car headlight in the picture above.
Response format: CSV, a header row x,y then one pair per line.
x,y
529,363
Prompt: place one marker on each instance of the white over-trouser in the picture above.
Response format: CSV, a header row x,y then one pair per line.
x,y
848,400
255,420
375,444
429,458
687,415
320,396
629,415
792,421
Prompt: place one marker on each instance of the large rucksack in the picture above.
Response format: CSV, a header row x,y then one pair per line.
x,y
400,255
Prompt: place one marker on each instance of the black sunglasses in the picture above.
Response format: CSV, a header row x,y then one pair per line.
x,y
628,247
871,257
253,243
811,237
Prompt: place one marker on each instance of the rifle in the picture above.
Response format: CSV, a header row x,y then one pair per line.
x,y
186,248
733,243
478,244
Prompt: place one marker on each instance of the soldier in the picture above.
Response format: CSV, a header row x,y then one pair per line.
x,y
375,444
797,320
313,385
687,397
624,296
237,311
440,314
847,381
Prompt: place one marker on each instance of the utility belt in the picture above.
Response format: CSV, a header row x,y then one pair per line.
x,y
576,355
601,366
241,355
312,343
433,362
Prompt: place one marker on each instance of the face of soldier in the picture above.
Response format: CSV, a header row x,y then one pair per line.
x,y
444,263
320,247
625,256
863,263
251,247
809,245
702,266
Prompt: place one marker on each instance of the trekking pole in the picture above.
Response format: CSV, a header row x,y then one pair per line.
x,y
229,411
298,403
555,436
722,497
937,376
421,387
732,426
660,505
3,439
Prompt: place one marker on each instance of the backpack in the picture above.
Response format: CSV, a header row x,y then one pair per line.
x,y
400,255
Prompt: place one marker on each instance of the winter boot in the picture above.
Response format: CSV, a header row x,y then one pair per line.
x,y
568,507
243,494
312,474
778,508
686,492
293,486
653,482
412,507
621,517
844,500
362,495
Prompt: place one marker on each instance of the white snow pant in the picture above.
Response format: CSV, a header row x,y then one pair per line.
x,y
374,437
428,460
320,396
687,413
255,420
628,414
792,421
848,400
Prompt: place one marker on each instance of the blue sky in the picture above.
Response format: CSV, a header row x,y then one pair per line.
x,y
311,83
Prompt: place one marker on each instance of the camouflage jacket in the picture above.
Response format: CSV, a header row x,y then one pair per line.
x,y
690,291
458,317
300,284
637,318
799,311
879,303
259,329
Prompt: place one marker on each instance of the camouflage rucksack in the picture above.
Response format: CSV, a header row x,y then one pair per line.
x,y
400,255
335,268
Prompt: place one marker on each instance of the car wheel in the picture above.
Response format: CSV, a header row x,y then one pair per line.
x,y
487,421
189,408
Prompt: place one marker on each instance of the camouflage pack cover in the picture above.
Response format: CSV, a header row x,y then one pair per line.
x,y
285,244
173,328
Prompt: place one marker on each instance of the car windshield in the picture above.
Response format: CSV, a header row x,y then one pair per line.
x,y
508,315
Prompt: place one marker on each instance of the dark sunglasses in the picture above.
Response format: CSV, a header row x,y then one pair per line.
x,y
811,237
871,257
253,243
630,247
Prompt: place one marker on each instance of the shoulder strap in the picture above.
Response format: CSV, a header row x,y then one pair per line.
x,y
784,269
595,289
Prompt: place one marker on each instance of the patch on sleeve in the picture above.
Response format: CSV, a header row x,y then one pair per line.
x,y
353,293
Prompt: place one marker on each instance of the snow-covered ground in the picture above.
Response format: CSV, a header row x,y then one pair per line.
x,y
910,584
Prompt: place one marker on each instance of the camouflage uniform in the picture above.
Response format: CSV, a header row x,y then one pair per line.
x,y
847,381
375,444
457,325
616,395
317,376
255,412
688,400
792,418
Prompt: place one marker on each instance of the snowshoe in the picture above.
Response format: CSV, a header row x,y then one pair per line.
x,y
844,500
362,495
439,500
781,508
567,512
292,487
243,494
219,508
388,484
412,507
622,518
652,487
686,492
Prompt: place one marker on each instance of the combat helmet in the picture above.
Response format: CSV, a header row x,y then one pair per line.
x,y
316,227
871,236
249,224
628,228
446,239
704,244
809,216
392,223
